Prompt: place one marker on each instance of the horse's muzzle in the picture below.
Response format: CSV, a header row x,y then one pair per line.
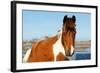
x,y
69,52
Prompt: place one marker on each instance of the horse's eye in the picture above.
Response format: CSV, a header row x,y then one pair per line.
x,y
74,32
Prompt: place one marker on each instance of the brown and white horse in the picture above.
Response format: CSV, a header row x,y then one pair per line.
x,y
57,48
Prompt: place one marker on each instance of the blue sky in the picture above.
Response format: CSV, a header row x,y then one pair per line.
x,y
37,24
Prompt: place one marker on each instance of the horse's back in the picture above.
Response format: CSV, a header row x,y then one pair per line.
x,y
42,50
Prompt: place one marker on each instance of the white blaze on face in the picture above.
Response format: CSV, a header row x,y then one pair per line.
x,y
72,50
25,59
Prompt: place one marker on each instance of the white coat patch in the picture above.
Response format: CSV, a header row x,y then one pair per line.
x,y
25,59
58,47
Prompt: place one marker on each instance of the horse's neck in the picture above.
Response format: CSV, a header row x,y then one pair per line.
x,y
60,34
59,39
58,47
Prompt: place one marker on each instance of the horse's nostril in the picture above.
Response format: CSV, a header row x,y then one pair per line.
x,y
73,52
67,53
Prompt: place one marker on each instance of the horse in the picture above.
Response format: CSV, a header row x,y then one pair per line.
x,y
56,48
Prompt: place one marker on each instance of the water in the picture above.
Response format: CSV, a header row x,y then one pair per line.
x,y
82,55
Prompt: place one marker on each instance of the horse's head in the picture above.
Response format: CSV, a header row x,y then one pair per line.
x,y
68,34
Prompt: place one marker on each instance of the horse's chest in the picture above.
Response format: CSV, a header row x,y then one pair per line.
x,y
58,48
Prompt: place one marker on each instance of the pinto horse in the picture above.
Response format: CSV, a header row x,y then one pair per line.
x,y
56,48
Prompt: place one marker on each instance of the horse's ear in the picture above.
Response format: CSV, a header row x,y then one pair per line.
x,y
74,18
65,18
